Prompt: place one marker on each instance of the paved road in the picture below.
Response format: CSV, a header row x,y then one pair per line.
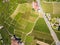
x,y
53,34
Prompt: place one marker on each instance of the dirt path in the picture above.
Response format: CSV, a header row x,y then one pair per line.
x,y
16,11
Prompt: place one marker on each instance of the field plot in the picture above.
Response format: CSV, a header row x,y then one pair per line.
x,y
47,7
41,31
18,18
4,14
29,40
12,6
53,10
6,39
41,26
51,7
25,19
55,15
22,24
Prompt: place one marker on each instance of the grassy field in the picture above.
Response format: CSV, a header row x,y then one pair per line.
x,y
41,31
43,36
56,8
47,7
41,26
29,40
50,7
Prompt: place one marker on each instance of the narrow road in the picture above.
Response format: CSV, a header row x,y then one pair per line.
x,y
53,34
